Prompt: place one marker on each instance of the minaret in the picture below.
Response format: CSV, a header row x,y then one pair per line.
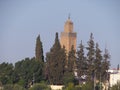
x,y
68,36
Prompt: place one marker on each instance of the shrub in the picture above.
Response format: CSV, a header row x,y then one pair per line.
x,y
13,87
40,86
70,86
87,86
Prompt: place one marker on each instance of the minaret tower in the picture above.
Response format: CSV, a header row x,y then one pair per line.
x,y
68,36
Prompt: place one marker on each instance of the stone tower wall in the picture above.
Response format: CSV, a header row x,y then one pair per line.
x,y
68,37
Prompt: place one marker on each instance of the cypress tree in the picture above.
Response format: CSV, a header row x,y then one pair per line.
x,y
56,63
39,50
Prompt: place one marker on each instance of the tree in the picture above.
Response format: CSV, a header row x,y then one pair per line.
x,y
87,86
71,66
39,50
28,71
98,62
40,86
68,78
70,86
81,60
90,56
72,60
6,71
56,63
8,87
105,65
13,87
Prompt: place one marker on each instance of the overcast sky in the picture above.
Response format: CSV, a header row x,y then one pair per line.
x,y
21,21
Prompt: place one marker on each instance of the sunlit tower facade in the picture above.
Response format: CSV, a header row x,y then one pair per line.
x,y
68,36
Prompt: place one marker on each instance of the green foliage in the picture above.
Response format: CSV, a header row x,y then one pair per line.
x,y
21,82
6,71
91,50
71,60
59,69
56,63
98,62
8,87
18,87
13,87
78,87
68,78
40,86
27,70
70,86
90,56
81,61
87,86
39,50
105,65
71,66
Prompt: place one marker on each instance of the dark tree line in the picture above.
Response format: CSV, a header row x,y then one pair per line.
x,y
91,63
23,73
59,67
6,73
94,64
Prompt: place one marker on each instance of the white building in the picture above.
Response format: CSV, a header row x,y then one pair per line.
x,y
56,87
114,76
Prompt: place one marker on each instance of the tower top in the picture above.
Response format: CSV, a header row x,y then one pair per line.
x,y
68,27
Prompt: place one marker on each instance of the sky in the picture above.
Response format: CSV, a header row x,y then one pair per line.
x,y
21,21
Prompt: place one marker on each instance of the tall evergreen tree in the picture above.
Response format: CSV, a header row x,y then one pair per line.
x,y
56,63
98,62
39,50
105,65
90,56
81,60
72,59
70,69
